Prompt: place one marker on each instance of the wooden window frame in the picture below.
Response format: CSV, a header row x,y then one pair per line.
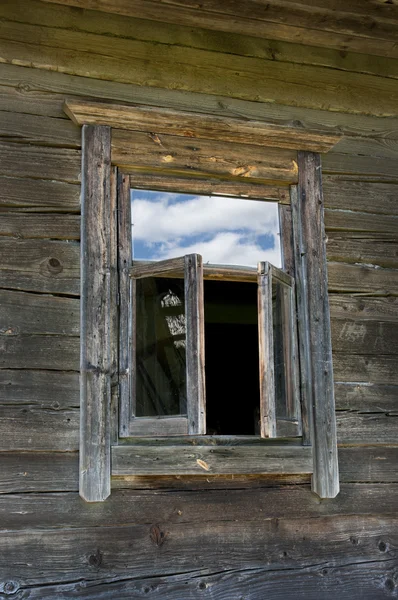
x,y
106,173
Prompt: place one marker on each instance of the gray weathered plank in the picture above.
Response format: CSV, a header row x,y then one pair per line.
x,y
179,460
365,368
38,129
23,313
325,480
96,321
52,390
370,428
360,196
370,280
371,464
53,352
266,353
59,164
195,344
357,221
367,248
40,266
365,337
363,308
366,398
37,195
39,225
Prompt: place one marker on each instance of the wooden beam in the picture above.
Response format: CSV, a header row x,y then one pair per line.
x,y
325,481
191,125
96,308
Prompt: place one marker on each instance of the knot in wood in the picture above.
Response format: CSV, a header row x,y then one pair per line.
x,y
54,266
157,536
10,587
95,560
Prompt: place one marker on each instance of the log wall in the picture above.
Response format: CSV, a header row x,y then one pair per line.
x,y
221,538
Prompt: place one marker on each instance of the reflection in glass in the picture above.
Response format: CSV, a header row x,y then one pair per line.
x,y
283,366
160,347
231,231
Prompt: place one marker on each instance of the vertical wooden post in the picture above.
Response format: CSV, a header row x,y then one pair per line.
x,y
325,480
96,314
195,344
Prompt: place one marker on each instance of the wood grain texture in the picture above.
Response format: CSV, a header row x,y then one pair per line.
x,y
178,155
364,337
360,196
191,125
39,225
375,428
366,398
36,195
47,390
287,22
367,279
177,460
268,428
356,222
26,128
40,266
313,252
363,308
39,352
365,368
96,324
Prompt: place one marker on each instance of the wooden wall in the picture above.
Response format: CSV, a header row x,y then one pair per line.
x,y
224,539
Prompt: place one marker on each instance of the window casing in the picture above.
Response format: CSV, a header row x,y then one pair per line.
x,y
107,316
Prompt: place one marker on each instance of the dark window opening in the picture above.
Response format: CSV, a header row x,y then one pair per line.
x,y
232,358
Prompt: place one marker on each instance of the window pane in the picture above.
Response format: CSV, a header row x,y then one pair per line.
x,y
232,231
281,307
160,347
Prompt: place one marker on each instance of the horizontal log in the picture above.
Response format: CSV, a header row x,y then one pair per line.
x,y
360,196
208,186
362,278
63,509
36,195
20,127
39,352
381,250
180,460
40,266
60,164
196,125
364,337
39,471
366,398
363,308
177,154
359,222
371,167
38,81
365,369
358,428
368,464
40,225
29,428
46,390
98,554
24,313
126,61
288,22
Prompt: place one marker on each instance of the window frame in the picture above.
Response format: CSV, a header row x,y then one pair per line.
x,y
100,446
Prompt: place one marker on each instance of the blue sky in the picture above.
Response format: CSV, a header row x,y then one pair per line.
x,y
223,230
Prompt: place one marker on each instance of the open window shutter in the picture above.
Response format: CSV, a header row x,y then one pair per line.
x,y
174,335
279,385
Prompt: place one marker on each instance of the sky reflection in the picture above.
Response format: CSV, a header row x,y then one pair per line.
x,y
223,230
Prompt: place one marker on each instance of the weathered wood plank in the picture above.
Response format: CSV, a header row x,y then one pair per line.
x,y
219,41
360,196
207,186
371,167
40,225
40,266
26,128
60,164
359,222
281,22
363,308
100,554
380,250
79,53
27,427
23,313
366,398
132,150
370,464
266,352
33,81
39,471
366,279
54,352
365,368
36,195
96,306
325,481
177,460
365,337
39,389
356,428
195,344
192,125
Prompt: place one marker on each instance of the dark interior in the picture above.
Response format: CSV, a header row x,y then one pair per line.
x,y
232,360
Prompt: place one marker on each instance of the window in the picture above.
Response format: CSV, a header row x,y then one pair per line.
x,y
140,317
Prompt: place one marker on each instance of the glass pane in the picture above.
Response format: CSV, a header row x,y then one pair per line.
x,y
281,310
230,231
160,347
